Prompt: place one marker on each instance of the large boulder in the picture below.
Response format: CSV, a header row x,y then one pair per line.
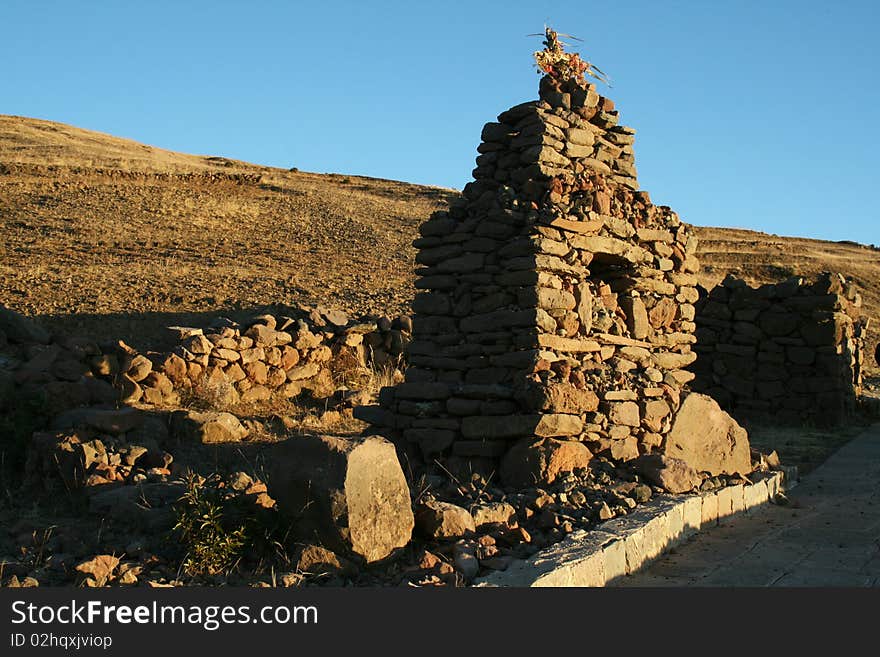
x,y
21,329
350,491
672,475
708,439
533,462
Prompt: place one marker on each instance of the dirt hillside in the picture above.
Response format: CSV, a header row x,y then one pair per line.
x,y
114,238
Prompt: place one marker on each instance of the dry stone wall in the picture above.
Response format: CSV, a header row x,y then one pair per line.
x,y
793,350
313,350
556,301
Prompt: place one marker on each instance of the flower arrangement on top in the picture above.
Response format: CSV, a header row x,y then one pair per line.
x,y
563,66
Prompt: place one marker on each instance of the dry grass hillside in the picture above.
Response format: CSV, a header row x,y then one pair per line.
x,y
114,238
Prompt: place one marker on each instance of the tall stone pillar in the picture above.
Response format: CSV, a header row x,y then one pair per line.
x,y
555,300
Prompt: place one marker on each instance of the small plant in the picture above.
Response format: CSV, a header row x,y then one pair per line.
x,y
564,66
210,395
34,555
213,542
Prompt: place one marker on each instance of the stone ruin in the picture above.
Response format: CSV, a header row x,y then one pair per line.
x,y
285,353
556,305
793,350
557,316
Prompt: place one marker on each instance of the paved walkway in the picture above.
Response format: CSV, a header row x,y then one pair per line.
x,y
828,536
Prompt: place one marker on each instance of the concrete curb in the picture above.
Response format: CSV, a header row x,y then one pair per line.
x,y
623,545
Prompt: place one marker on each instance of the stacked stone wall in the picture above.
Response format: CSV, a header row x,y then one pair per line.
x,y
307,350
792,350
555,300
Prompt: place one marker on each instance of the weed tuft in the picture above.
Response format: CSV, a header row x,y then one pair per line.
x,y
214,542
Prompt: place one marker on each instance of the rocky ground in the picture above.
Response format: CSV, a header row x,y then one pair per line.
x,y
138,528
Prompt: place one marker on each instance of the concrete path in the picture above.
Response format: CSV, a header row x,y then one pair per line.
x,y
828,536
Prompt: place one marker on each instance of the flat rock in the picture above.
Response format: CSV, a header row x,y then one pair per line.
x,y
264,336
208,427
99,568
493,513
140,368
334,317
560,398
316,560
183,332
624,413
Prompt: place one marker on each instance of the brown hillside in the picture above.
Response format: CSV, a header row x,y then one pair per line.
x,y
114,238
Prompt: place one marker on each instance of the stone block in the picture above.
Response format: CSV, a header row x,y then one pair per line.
x,y
725,502
351,492
647,541
736,499
582,559
709,510
675,520
774,484
707,438
692,515
755,495
614,553
588,570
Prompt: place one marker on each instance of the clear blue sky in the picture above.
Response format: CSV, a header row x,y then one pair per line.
x,y
753,114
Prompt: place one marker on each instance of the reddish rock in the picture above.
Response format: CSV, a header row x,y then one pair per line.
x,y
533,462
671,474
435,519
493,513
175,368
289,357
316,560
208,427
140,367
653,414
624,413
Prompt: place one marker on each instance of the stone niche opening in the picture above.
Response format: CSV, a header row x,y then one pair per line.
x,y
555,301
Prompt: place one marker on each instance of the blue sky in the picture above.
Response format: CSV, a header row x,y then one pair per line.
x,y
752,114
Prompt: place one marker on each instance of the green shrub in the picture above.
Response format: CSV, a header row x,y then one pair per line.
x,y
213,540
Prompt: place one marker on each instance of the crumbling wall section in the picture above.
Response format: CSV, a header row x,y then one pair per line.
x,y
316,351
791,350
